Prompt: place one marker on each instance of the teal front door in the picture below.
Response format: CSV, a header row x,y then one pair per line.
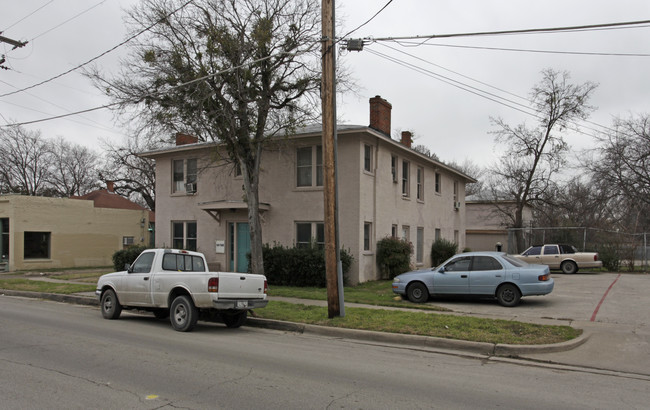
x,y
240,246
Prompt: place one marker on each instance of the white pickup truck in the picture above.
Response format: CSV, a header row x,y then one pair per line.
x,y
175,283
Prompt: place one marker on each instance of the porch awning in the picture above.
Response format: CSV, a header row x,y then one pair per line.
x,y
215,208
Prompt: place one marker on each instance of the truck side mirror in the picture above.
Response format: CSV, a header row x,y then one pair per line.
x,y
127,267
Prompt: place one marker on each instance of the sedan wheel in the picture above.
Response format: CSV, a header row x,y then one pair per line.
x,y
569,267
508,295
417,292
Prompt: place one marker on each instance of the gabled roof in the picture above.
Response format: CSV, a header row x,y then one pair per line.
x,y
103,198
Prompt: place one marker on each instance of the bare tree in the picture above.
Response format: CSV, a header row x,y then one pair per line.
x,y
25,159
624,158
73,169
233,71
470,168
133,176
534,155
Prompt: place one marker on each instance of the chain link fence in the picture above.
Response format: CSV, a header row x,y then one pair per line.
x,y
617,250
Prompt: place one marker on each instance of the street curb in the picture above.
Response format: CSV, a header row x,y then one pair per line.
x,y
490,349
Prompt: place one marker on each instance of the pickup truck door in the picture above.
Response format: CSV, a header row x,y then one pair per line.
x,y
551,256
136,286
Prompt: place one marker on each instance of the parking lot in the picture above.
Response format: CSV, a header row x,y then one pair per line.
x,y
605,297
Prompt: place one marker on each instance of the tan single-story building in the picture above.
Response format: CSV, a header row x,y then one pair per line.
x,y
487,226
44,233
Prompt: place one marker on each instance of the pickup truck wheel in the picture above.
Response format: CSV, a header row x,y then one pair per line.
x,y
235,320
508,295
417,293
569,267
183,314
110,306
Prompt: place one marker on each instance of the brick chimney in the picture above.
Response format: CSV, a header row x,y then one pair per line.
x,y
183,139
407,138
110,186
380,114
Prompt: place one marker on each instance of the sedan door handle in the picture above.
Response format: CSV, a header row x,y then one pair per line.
x,y
463,276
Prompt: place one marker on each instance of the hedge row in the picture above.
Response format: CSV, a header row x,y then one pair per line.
x,y
303,267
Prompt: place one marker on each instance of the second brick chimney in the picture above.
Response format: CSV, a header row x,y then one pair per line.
x,y
407,138
380,114
110,186
183,139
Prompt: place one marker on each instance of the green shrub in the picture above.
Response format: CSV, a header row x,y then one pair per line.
x,y
128,255
610,255
393,256
303,267
441,250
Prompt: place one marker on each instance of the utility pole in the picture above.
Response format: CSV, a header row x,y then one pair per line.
x,y
333,269
15,43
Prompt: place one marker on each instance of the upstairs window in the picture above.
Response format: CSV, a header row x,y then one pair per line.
x,y
420,183
393,167
405,179
367,158
185,175
309,166
438,183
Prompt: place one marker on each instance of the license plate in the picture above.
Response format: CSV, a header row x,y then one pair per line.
x,y
241,304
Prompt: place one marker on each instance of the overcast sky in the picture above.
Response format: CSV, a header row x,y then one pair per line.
x,y
452,122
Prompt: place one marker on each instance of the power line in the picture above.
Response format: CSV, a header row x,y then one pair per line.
x,y
29,15
69,20
582,53
99,56
589,27
140,98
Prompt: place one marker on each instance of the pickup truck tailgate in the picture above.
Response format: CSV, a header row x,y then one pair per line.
x,y
241,285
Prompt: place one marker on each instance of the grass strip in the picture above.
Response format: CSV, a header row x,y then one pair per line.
x,y
424,324
42,286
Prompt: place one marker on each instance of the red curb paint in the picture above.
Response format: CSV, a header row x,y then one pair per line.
x,y
593,317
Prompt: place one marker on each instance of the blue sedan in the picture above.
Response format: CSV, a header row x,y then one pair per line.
x,y
477,274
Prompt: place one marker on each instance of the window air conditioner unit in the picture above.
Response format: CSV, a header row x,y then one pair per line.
x,y
456,205
190,188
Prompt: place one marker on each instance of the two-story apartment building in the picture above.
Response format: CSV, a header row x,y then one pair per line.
x,y
385,189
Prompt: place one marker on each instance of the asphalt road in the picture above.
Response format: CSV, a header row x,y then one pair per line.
x,y
55,355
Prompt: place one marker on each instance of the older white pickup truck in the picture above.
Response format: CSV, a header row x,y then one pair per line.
x,y
175,283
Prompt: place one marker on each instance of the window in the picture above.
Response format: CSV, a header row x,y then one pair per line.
x,y
535,250
367,235
393,231
183,263
4,238
308,232
37,245
455,191
419,247
143,263
367,158
551,250
127,241
185,172
456,237
437,234
459,264
405,178
420,182
438,183
406,233
393,167
184,235
485,263
309,166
